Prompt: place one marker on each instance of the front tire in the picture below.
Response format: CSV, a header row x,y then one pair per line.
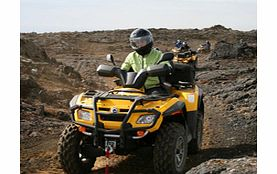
x,y
70,155
170,151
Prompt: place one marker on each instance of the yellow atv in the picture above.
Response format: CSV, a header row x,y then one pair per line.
x,y
181,49
187,57
125,118
203,49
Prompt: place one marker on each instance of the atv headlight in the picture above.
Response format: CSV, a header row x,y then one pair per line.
x,y
84,115
146,119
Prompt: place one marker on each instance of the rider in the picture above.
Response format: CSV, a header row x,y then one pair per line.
x,y
178,44
144,55
185,46
206,45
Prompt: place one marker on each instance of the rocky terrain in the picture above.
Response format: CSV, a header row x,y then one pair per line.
x,y
56,66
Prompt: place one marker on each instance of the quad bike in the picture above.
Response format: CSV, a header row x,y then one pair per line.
x,y
203,49
126,118
181,49
187,57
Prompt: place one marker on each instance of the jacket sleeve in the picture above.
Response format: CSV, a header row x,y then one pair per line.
x,y
126,65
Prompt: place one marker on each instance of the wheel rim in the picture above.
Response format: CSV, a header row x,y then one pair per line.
x,y
179,151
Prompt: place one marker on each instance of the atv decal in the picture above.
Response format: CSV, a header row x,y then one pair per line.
x,y
191,98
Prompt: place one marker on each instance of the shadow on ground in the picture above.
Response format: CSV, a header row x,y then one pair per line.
x,y
141,161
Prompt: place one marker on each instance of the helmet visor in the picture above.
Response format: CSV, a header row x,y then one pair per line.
x,y
139,42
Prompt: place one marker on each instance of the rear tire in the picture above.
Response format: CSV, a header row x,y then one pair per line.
x,y
170,151
70,156
196,143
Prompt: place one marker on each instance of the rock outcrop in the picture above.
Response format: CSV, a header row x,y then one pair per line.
x,y
247,165
225,50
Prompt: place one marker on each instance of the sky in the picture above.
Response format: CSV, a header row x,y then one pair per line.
x,y
91,15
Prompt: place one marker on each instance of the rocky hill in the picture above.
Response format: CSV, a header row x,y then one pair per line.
x,y
56,66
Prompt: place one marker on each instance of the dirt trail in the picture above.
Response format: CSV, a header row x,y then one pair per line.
x,y
39,155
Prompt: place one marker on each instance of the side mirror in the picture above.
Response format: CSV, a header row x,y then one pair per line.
x,y
110,59
166,57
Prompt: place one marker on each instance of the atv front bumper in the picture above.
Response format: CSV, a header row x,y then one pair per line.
x,y
126,133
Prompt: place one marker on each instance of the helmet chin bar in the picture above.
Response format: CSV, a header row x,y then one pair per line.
x,y
145,50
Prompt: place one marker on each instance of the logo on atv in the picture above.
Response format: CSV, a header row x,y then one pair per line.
x,y
114,110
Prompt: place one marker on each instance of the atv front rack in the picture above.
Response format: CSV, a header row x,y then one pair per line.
x,y
98,127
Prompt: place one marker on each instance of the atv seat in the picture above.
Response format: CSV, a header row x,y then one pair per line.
x,y
184,55
183,76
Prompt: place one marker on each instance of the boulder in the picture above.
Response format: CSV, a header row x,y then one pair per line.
x,y
224,166
28,86
225,50
34,52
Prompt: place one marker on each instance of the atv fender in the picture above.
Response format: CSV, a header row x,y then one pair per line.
x,y
180,106
200,99
174,108
187,118
192,116
191,119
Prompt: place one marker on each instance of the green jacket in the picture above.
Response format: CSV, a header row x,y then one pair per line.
x,y
137,62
